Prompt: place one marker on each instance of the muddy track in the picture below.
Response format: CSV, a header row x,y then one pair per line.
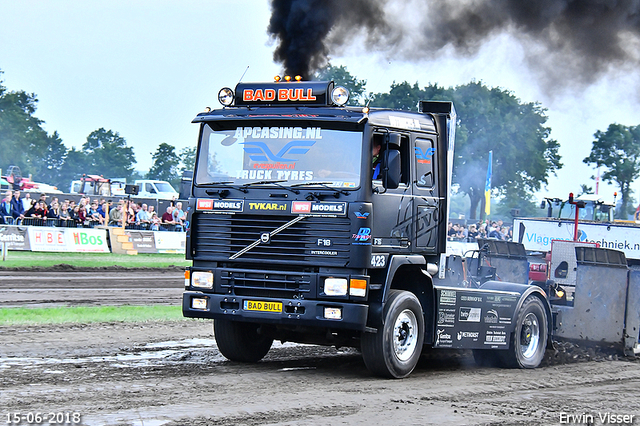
x,y
171,372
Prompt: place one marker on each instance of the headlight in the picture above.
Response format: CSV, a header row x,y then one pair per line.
x,y
202,279
225,96
335,286
340,96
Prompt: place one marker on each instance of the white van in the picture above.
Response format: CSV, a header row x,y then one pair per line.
x,y
160,189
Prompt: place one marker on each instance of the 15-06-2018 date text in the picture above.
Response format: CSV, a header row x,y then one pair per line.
x,y
38,418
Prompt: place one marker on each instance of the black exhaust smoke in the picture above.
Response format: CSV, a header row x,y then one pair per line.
x,y
302,28
585,38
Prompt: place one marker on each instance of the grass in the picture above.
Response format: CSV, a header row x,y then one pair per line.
x,y
17,259
90,314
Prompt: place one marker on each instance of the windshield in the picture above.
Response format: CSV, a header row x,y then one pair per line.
x,y
592,211
164,187
290,155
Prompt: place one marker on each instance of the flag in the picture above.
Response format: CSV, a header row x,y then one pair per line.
x,y
487,187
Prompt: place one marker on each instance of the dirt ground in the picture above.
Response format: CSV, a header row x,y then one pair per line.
x,y
171,373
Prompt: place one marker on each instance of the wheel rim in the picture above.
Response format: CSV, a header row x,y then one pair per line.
x,y
529,335
405,338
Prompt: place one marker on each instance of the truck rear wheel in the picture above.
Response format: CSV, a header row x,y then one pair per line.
x,y
395,349
240,341
529,339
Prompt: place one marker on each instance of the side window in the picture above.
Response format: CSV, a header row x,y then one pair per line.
x,y
424,158
404,149
149,188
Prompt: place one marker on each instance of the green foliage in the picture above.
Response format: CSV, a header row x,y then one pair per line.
x,y
165,164
341,77
489,119
107,154
504,208
23,142
188,158
618,149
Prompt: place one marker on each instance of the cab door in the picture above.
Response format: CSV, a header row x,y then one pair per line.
x,y
427,204
393,208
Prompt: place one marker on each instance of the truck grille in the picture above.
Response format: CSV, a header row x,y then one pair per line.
x,y
266,283
219,236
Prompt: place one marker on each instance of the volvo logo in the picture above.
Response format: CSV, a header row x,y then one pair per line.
x,y
265,237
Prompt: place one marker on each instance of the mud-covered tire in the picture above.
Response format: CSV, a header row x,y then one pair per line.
x,y
395,349
240,341
529,339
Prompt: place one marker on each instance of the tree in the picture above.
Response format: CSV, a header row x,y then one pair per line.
x,y
489,119
108,155
50,161
618,149
23,141
341,77
492,119
74,164
188,158
165,164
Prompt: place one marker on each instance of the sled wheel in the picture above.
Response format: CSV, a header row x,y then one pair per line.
x,y
395,349
240,341
529,339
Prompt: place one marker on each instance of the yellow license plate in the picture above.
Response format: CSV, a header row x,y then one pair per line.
x,y
257,305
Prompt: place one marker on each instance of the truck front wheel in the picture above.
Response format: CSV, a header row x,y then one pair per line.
x,y
395,349
240,341
529,339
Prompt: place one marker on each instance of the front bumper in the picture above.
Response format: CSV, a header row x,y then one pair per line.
x,y
295,312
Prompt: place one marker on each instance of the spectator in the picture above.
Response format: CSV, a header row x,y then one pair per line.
x,y
93,215
115,214
53,200
495,233
27,202
54,211
463,233
17,208
451,231
65,216
81,215
5,207
143,217
37,213
155,221
482,230
167,219
179,215
103,210
509,234
473,232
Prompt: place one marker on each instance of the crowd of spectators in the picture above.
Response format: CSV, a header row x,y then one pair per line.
x,y
487,229
88,213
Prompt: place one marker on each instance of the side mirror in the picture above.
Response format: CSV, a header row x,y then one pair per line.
x,y
543,204
390,169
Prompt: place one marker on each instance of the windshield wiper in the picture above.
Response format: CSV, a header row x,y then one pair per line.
x,y
336,192
223,192
273,182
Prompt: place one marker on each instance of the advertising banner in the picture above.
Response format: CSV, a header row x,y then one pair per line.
x,y
68,239
538,235
15,237
170,242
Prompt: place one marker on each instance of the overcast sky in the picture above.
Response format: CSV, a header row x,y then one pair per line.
x,y
146,68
